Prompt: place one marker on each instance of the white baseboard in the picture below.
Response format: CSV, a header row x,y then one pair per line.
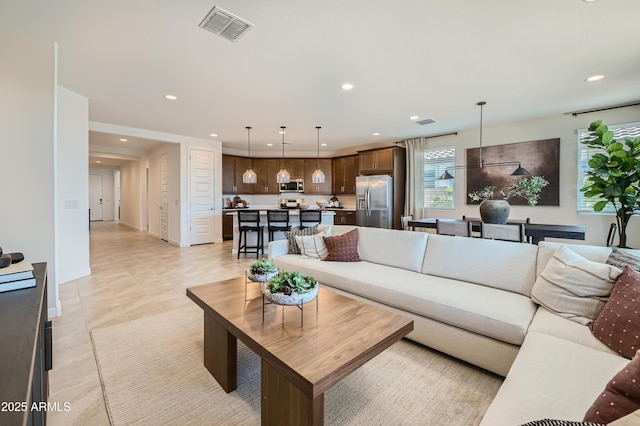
x,y
55,312
137,228
74,276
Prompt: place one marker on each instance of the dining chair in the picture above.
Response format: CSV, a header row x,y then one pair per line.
x,y
405,221
507,232
309,218
455,227
612,234
249,221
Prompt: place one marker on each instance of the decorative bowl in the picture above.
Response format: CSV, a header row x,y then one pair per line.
x,y
261,278
292,299
322,203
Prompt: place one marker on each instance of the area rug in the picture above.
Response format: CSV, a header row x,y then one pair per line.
x,y
152,374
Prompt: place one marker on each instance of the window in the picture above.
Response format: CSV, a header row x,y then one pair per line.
x,y
620,132
439,194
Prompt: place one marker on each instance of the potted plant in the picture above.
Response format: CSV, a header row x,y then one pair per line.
x,y
497,211
291,288
615,175
262,271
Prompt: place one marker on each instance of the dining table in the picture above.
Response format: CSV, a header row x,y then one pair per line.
x,y
535,231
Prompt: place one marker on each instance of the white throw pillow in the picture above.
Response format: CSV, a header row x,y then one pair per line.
x,y
574,287
312,245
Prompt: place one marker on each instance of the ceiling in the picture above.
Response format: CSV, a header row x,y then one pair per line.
x,y
431,58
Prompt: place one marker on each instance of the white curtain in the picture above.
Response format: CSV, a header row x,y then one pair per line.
x,y
414,203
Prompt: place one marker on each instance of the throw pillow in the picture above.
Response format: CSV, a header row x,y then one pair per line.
x,y
291,236
343,248
574,287
618,325
620,397
620,258
312,245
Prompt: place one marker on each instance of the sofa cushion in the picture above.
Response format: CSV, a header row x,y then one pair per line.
x,y
620,258
475,308
618,325
291,236
574,287
500,264
551,378
342,248
621,395
547,322
312,245
393,248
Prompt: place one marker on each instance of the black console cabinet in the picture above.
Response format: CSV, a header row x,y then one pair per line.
x,y
25,353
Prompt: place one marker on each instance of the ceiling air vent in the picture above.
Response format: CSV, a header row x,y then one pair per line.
x,y
225,24
426,121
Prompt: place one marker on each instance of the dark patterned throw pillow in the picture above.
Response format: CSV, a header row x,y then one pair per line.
x,y
291,236
343,248
620,258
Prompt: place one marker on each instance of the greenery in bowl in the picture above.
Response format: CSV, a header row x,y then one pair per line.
x,y
528,188
262,267
288,282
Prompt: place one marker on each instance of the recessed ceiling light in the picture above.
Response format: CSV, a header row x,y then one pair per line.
x,y
282,132
414,117
214,135
376,134
171,97
594,78
269,144
98,161
123,140
323,144
347,86
589,1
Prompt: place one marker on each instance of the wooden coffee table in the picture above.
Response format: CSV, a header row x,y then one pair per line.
x,y
298,363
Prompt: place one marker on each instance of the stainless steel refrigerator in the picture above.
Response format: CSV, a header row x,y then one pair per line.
x,y
374,201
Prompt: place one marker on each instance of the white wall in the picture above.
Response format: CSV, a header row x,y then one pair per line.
x,y
27,150
109,196
72,187
562,126
133,194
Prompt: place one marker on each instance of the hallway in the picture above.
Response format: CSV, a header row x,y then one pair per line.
x,y
134,275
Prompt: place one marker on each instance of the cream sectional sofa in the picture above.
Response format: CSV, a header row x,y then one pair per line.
x,y
471,298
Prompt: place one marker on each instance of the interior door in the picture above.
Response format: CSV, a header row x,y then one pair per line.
x,y
202,196
164,197
95,197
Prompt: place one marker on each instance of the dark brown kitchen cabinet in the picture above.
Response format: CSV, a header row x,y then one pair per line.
x,y
266,169
345,170
295,167
232,170
377,161
310,166
227,226
345,217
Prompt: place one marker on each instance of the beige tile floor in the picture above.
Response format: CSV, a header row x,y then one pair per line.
x,y
133,275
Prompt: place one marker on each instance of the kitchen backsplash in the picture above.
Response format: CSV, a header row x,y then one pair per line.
x,y
273,200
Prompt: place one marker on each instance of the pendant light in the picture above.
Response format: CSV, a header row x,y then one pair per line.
x,y
283,175
520,171
249,176
318,175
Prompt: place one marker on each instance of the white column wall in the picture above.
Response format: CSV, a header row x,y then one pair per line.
x,y
72,187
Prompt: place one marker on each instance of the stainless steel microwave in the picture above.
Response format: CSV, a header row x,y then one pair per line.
x,y
295,185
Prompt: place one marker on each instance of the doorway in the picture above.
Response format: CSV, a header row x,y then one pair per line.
x,y
95,198
202,196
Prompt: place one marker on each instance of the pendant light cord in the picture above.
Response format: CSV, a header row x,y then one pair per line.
x,y
282,127
249,146
482,103
318,127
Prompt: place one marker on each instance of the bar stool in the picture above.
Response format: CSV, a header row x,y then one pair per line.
x,y
308,218
249,221
277,220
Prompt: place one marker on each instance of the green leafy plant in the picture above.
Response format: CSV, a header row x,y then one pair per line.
x,y
263,266
614,175
528,188
288,282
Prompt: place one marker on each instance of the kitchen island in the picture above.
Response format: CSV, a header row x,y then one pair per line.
x,y
294,220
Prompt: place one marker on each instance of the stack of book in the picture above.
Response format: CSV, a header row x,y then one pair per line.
x,y
17,276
